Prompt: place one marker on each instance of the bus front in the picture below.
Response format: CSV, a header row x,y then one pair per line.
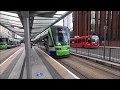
x,y
95,41
61,37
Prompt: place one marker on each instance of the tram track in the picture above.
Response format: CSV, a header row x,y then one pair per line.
x,y
7,53
7,50
107,69
86,69
103,68
72,69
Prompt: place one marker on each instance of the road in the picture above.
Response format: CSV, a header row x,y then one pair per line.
x,y
4,54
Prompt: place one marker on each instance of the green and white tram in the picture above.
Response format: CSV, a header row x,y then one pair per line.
x,y
8,43
57,42
3,43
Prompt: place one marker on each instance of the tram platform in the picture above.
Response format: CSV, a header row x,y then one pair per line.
x,y
42,66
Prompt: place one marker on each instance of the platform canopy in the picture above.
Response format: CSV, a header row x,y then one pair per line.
x,y
39,21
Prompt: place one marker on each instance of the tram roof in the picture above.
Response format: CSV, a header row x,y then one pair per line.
x,y
39,21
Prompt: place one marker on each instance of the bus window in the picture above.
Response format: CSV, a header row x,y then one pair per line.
x,y
76,41
83,40
72,41
95,39
79,40
87,40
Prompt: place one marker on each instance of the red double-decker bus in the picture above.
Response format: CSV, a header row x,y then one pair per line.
x,y
90,41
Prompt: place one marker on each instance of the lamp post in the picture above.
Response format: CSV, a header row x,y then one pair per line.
x,y
105,29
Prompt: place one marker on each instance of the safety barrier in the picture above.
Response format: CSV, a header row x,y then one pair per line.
x,y
106,53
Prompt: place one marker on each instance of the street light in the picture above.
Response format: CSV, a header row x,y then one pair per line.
x,y
105,29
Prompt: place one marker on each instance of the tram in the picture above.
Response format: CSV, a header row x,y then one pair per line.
x,y
57,41
8,43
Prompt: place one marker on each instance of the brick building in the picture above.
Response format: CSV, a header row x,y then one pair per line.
x,y
94,22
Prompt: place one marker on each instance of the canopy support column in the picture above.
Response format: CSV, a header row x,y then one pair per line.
x,y
25,15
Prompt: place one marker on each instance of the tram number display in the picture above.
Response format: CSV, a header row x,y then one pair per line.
x,y
61,31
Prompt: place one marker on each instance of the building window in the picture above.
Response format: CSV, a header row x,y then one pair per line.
x,y
98,22
106,24
92,22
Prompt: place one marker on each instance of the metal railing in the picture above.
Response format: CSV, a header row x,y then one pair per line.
x,y
108,53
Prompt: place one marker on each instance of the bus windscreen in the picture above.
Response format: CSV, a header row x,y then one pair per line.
x,y
95,39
